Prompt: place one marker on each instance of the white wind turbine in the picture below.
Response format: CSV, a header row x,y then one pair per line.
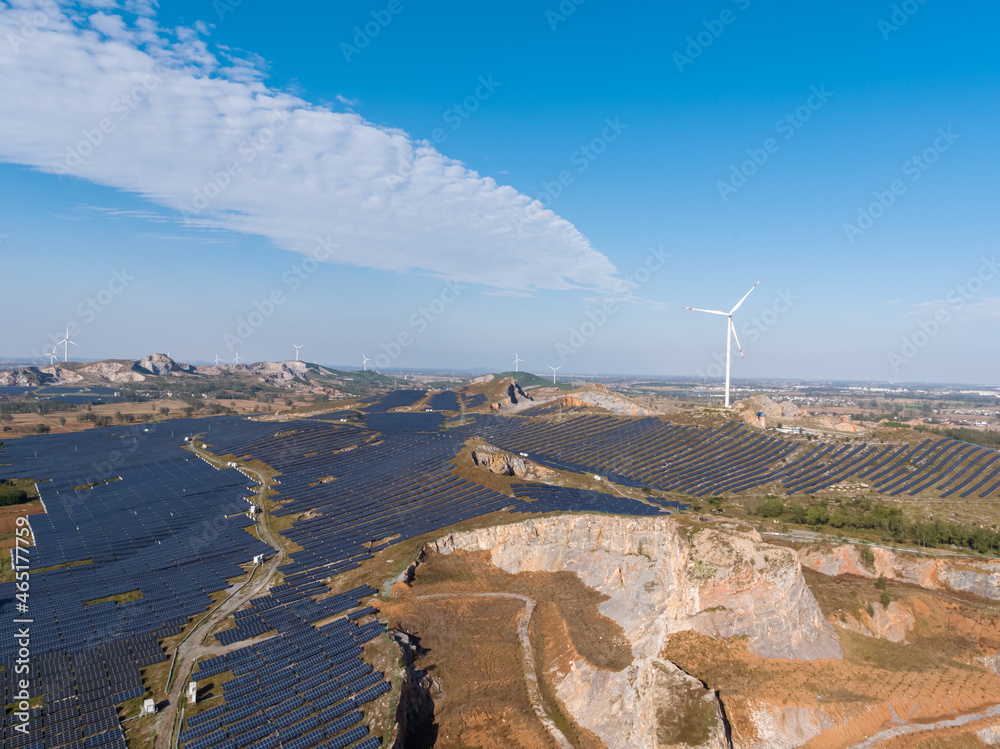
x,y
730,330
517,361
554,372
52,355
296,350
217,360
364,362
66,341
237,359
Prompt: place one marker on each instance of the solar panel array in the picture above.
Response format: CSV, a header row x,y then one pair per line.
x,y
554,408
396,399
129,561
301,687
699,461
446,400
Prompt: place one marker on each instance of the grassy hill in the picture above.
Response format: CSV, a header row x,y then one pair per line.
x,y
528,380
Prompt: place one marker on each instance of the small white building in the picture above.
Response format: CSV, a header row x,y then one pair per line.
x,y
148,707
192,692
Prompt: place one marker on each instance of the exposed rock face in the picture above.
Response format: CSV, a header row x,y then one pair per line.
x,y
161,364
113,371
23,378
979,577
599,395
892,623
62,375
498,461
514,396
772,410
660,579
501,462
415,710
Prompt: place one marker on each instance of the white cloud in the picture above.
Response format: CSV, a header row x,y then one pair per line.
x,y
958,308
176,117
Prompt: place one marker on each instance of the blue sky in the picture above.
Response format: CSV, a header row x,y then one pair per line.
x,y
413,160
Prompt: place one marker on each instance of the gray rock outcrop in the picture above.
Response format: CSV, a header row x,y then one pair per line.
x,y
660,578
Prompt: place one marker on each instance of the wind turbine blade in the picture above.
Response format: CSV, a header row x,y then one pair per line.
x,y
732,329
709,311
72,343
745,296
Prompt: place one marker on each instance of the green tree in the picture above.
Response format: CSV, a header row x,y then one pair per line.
x,y
817,515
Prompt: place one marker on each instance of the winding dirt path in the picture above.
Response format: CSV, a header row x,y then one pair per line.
x,y
530,674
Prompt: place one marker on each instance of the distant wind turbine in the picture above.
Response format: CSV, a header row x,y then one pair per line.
x,y
237,359
554,372
66,341
296,351
217,360
364,362
516,361
52,356
730,330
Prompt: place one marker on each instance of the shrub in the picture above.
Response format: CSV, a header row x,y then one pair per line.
x,y
867,557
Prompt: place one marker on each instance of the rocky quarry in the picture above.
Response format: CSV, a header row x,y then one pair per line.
x,y
504,463
601,396
661,577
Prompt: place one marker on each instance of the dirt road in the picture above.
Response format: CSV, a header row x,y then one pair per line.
x,y
192,647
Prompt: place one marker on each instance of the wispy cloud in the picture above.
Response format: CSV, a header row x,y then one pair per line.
x,y
987,308
115,99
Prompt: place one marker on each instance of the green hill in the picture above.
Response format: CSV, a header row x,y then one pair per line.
x,y
528,380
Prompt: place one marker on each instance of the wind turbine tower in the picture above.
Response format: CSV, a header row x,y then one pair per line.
x,y
237,359
297,351
364,362
66,341
730,331
517,361
554,372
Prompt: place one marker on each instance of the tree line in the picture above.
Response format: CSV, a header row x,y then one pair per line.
x,y
865,514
